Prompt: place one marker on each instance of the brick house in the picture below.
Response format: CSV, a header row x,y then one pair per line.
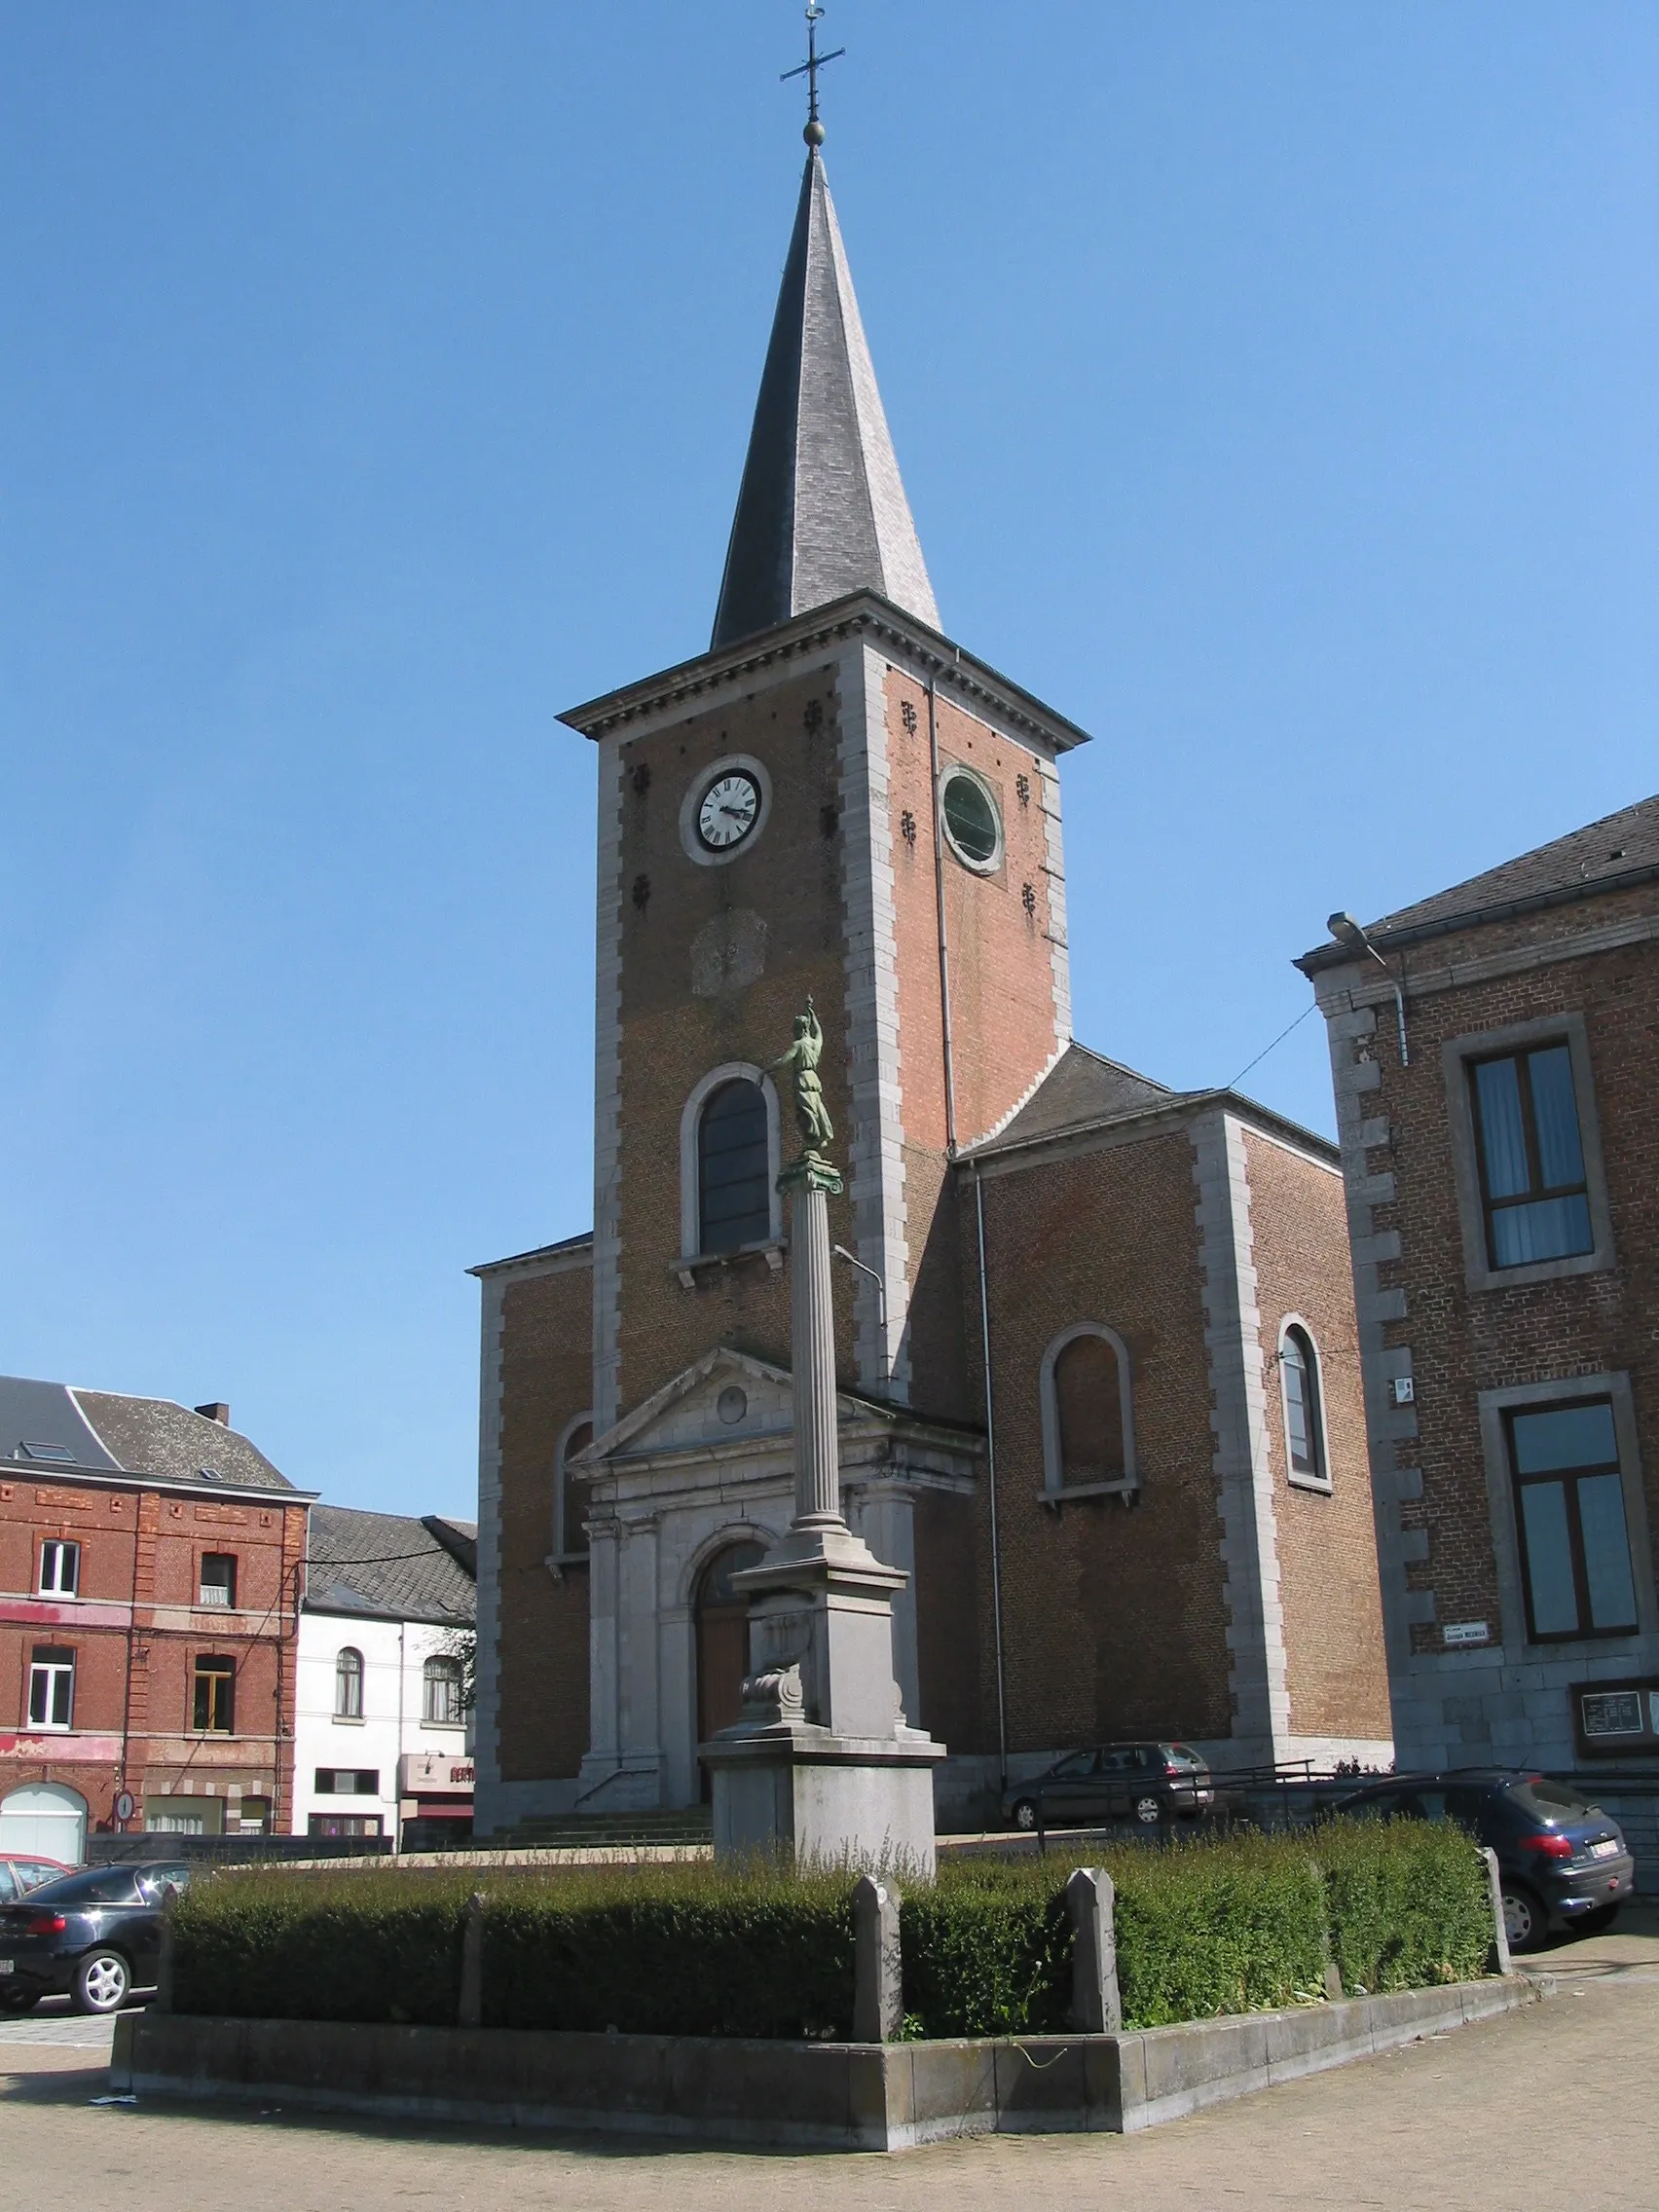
x,y
149,1562
1140,1503
1494,1051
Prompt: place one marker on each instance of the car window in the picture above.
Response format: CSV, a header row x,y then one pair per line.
x,y
159,1883
1124,1760
1549,1800
100,1885
35,1874
9,1886
1072,1769
1178,1755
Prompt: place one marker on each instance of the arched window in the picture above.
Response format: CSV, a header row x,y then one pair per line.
x,y
734,1169
349,1685
570,1495
440,1691
1089,1430
1303,1410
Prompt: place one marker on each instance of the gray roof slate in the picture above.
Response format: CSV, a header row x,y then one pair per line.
x,y
1082,1090
821,510
108,1432
1618,848
388,1567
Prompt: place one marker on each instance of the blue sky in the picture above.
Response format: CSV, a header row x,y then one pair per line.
x,y
1274,386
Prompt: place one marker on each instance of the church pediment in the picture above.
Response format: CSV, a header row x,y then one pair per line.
x,y
725,1398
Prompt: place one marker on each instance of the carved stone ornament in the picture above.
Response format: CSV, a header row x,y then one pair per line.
x,y
729,953
774,1697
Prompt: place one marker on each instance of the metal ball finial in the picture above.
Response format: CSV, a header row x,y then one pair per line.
x,y
814,133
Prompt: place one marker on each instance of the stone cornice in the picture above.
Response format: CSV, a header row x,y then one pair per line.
x,y
860,614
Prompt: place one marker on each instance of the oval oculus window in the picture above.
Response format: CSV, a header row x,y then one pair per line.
x,y
971,822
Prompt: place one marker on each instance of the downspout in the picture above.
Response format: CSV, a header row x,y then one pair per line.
x,y
991,1478
944,947
131,1640
398,1765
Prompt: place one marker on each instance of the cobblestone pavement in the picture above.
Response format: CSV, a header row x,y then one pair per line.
x,y
1547,2105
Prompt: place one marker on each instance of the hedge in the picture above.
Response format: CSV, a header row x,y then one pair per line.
x,y
1207,1927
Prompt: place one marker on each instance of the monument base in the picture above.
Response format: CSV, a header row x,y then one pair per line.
x,y
798,1791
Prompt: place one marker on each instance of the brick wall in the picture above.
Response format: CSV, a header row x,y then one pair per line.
x,y
547,1382
1429,1458
1327,1549
1113,1615
140,1572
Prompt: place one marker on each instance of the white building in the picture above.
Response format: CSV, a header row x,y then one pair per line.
x,y
381,1737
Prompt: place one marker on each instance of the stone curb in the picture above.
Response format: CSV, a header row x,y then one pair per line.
x,y
804,2096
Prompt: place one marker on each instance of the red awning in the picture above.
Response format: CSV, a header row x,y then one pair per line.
x,y
443,1808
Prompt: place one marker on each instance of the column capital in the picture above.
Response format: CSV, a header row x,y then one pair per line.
x,y
811,1172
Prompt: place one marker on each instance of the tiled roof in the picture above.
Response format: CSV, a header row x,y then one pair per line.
x,y
388,1566
1620,847
1082,1090
51,1424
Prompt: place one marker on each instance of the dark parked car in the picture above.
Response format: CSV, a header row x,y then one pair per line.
x,y
1146,1783
96,1934
1560,1861
19,1875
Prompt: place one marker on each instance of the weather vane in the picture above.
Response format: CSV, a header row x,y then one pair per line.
x,y
809,68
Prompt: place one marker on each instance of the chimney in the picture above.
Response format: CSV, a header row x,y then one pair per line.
x,y
217,1411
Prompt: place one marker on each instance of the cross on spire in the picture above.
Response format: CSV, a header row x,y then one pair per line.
x,y
809,68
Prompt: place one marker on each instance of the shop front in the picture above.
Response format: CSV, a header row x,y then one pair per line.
x,y
434,1810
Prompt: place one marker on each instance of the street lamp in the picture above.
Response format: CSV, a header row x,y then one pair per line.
x,y
1353,937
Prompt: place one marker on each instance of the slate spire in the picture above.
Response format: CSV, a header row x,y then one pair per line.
x,y
821,511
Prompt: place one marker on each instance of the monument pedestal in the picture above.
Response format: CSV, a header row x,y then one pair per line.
x,y
822,1766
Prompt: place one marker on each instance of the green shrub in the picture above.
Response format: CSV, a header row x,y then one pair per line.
x,y
357,1946
988,1949
1204,1927
1233,1926
688,1951
1408,1904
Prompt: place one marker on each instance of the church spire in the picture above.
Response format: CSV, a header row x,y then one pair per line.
x,y
821,511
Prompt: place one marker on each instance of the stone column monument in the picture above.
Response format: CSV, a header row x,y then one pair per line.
x,y
822,1764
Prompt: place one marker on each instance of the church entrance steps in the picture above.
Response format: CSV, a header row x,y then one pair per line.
x,y
807,2096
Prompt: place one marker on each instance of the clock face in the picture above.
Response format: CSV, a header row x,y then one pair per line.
x,y
729,810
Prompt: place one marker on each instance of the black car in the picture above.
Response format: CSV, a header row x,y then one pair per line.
x,y
96,1934
1562,1862
1146,1783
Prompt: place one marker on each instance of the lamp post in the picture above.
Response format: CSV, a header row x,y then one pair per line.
x,y
1351,935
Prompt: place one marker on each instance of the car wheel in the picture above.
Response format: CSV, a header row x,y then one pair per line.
x,y
1025,1814
1525,1920
103,1980
1596,1922
1149,1810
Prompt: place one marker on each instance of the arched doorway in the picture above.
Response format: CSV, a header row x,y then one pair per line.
x,y
45,1820
722,1643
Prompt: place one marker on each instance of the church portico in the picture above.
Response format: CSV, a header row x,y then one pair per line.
x,y
703,1466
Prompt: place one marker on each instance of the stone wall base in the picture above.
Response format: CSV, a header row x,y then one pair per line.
x,y
809,2096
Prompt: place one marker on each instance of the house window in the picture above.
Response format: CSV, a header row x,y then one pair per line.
x,y
213,1710
1570,1512
1088,1436
218,1584
1533,1186
343,1824
1303,1409
349,1685
348,1782
60,1570
734,1177
440,1692
570,1496
52,1687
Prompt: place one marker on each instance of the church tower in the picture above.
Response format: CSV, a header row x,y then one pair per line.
x,y
833,799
